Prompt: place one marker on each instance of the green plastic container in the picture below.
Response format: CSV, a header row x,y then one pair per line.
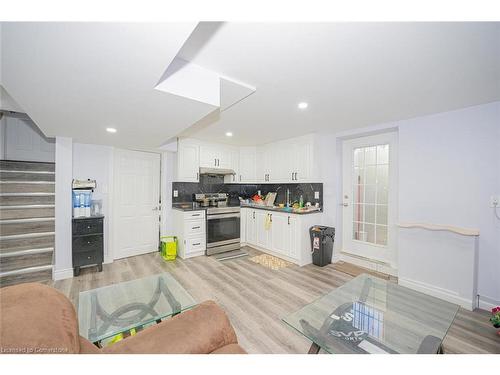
x,y
169,247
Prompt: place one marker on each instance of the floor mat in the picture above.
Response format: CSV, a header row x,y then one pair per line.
x,y
270,261
231,255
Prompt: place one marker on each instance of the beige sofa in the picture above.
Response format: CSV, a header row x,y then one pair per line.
x,y
39,319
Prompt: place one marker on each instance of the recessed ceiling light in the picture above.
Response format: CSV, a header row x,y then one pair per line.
x,y
302,105
111,130
229,134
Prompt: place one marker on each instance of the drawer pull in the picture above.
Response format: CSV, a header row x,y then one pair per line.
x,y
89,257
195,227
88,227
195,215
197,244
89,242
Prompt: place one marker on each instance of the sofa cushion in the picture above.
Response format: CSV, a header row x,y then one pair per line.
x,y
37,319
230,349
200,330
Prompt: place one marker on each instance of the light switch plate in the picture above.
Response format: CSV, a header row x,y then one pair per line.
x,y
316,195
176,193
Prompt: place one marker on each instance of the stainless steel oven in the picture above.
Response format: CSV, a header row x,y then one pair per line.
x,y
223,229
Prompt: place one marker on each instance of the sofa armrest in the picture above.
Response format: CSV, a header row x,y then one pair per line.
x,y
200,330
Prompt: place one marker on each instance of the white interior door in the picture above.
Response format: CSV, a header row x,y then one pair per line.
x,y
136,203
369,197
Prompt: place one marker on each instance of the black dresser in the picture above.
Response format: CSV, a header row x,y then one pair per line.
x,y
88,242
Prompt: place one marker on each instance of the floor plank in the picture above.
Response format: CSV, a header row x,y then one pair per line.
x,y
256,298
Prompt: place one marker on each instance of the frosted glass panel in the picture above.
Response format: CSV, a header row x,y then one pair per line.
x,y
370,194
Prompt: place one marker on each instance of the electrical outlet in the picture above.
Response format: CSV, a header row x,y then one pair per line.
x,y
494,201
176,193
316,195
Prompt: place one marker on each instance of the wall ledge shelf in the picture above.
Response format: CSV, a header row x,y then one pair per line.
x,y
438,227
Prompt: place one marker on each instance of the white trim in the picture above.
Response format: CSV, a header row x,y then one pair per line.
x,y
30,220
22,271
26,194
27,235
19,171
444,294
26,252
439,227
62,274
28,182
487,303
27,206
370,264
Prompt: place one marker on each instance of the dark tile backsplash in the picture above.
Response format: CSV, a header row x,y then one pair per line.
x,y
212,184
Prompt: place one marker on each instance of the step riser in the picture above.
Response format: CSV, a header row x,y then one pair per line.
x,y
21,200
19,176
24,261
26,166
39,276
26,213
19,244
24,228
27,188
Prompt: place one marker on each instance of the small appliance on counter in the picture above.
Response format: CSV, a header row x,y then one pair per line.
x,y
82,197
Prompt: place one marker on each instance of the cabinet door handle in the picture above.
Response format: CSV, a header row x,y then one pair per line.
x,y
271,218
89,257
254,215
295,176
197,176
288,220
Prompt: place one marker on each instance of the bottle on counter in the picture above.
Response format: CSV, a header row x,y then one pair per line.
x,y
301,201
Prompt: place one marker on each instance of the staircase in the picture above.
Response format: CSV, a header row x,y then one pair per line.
x,y
27,218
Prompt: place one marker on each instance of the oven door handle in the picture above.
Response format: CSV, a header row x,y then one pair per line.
x,y
222,216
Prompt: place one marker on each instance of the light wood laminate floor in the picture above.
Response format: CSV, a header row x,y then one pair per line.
x,y
256,298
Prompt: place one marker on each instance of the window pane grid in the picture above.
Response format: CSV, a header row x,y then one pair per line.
x,y
370,192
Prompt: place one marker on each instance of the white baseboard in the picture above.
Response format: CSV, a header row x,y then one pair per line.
x,y
487,303
441,293
62,274
366,263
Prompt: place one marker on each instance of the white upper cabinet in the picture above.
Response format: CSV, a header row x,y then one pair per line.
x,y
188,161
289,161
247,164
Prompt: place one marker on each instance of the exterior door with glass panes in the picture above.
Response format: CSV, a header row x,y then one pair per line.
x,y
369,197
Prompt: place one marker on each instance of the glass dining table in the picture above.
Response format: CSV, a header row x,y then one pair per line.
x,y
372,315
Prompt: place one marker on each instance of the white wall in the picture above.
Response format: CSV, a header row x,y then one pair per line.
x,y
2,137
64,173
168,161
95,162
24,141
449,166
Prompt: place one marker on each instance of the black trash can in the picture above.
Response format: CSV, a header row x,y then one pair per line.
x,y
322,244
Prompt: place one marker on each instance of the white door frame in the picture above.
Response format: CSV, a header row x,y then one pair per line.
x,y
115,254
389,264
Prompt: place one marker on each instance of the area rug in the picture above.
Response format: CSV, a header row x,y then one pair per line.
x,y
270,261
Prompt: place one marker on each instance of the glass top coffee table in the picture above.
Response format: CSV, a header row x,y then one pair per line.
x,y
371,315
114,309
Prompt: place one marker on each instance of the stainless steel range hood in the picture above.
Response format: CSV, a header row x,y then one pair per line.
x,y
216,171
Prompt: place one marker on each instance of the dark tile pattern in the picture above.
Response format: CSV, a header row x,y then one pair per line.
x,y
211,184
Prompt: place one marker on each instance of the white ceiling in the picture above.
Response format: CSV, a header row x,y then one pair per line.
x,y
77,79
351,74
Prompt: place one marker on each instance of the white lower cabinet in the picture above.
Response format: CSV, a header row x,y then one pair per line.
x,y
287,236
191,233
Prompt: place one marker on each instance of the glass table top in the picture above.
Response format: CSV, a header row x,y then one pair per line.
x,y
372,315
110,310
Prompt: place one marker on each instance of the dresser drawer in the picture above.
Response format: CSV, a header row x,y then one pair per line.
x,y
87,258
87,226
87,243
194,245
194,215
194,228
